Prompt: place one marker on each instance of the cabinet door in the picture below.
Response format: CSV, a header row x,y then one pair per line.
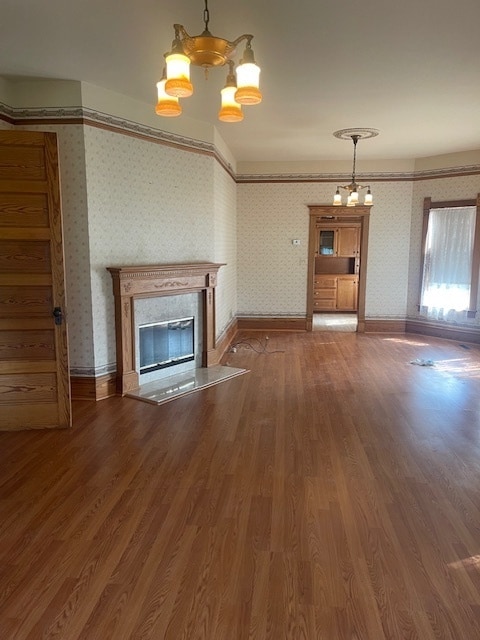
x,y
326,242
347,294
348,242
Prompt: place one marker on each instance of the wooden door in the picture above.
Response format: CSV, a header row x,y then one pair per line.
x,y
34,382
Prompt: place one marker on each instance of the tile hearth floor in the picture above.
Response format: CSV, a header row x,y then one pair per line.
x,y
173,387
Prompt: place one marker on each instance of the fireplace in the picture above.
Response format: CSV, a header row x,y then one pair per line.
x,y
133,286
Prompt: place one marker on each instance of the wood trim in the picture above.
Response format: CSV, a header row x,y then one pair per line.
x,y
472,312
427,203
363,261
224,341
271,323
459,334
385,326
93,388
449,204
145,281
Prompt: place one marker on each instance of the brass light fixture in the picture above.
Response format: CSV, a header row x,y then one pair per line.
x,y
207,50
353,188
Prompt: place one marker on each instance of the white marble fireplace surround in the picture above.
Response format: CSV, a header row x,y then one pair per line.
x,y
136,287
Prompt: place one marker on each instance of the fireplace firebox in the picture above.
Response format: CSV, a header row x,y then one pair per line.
x,y
165,344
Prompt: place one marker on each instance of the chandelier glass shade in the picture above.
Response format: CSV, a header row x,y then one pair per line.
x,y
231,110
167,106
354,188
207,50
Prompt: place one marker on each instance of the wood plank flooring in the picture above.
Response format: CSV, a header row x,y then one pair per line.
x,y
332,493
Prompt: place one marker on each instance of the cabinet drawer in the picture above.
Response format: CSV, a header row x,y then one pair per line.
x,y
325,294
324,304
324,282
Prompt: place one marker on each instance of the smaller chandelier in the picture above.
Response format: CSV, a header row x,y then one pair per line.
x,y
207,50
353,188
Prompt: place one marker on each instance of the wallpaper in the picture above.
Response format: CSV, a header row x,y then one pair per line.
x,y
388,251
147,204
225,234
272,273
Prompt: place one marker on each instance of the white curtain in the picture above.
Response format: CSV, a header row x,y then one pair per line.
x,y
447,269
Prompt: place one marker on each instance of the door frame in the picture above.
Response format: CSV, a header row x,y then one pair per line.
x,y
328,213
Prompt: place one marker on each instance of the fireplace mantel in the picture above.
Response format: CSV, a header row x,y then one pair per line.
x,y
149,281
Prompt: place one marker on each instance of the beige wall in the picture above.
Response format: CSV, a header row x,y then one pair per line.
x,y
272,273
225,245
147,204
133,200
140,200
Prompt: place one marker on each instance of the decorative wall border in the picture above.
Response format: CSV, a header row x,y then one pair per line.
x,y
85,372
406,176
91,117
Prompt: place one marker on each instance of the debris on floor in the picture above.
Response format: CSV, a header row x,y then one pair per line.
x,y
423,363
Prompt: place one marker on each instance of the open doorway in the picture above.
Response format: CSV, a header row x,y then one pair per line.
x,y
337,258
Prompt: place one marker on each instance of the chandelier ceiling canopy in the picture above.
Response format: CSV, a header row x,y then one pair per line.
x,y
207,50
353,188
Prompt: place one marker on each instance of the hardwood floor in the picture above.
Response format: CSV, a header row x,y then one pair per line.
x,y
332,493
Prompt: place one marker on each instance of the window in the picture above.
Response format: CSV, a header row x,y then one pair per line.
x,y
450,260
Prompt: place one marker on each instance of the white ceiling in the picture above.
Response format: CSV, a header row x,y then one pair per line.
x,y
410,69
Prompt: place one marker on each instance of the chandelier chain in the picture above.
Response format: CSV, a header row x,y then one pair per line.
x,y
206,15
355,140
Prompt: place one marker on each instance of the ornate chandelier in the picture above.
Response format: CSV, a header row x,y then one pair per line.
x,y
207,50
353,188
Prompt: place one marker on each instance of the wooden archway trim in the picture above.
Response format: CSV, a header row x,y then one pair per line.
x,y
132,282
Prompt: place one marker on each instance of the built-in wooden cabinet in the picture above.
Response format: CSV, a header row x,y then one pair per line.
x,y
337,261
